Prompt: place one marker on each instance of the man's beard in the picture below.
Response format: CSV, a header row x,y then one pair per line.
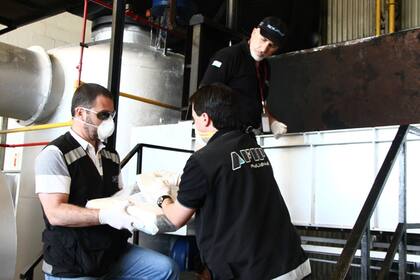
x,y
255,56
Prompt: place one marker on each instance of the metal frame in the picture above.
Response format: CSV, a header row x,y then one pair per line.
x,y
138,149
361,228
115,55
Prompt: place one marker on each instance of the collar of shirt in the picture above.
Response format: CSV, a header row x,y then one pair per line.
x,y
219,133
85,144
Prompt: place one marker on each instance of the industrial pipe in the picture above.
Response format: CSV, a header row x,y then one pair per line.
x,y
25,84
144,100
232,14
34,144
378,17
36,127
82,43
391,16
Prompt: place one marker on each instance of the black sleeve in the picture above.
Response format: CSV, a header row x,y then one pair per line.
x,y
193,186
219,68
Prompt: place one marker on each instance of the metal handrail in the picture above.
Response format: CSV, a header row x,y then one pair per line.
x,y
361,226
392,249
138,149
28,272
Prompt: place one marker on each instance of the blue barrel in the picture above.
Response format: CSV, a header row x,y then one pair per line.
x,y
180,253
179,3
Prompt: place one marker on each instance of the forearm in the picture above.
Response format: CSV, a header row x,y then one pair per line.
x,y
69,215
164,224
175,213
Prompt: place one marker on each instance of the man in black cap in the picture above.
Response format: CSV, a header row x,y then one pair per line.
x,y
243,68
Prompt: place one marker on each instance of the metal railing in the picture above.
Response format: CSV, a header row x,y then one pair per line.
x,y
138,149
360,234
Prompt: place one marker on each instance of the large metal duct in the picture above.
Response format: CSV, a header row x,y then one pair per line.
x,y
25,83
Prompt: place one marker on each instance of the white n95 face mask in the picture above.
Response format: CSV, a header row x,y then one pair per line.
x,y
105,129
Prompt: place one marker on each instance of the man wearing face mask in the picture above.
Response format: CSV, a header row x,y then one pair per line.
x,y
243,228
244,68
82,243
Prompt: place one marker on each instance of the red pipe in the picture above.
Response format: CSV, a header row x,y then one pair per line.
x,y
138,18
82,44
24,145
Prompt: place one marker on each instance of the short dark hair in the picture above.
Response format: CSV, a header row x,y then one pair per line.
x,y
220,102
85,96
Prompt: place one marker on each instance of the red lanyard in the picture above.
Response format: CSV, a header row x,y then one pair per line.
x,y
261,81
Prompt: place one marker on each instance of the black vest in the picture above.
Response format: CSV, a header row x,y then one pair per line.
x,y
244,229
84,251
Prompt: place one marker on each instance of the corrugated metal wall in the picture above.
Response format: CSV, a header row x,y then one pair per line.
x,y
345,20
410,13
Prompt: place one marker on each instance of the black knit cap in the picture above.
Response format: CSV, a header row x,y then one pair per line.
x,y
273,29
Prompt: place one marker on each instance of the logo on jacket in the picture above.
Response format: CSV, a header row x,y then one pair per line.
x,y
253,156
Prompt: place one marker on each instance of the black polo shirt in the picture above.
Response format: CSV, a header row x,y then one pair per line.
x,y
235,67
242,224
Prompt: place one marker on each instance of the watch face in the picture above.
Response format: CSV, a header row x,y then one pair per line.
x,y
161,199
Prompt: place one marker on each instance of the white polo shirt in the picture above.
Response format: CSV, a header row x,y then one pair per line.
x,y
51,173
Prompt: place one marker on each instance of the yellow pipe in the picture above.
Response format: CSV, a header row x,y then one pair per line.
x,y
37,127
378,18
149,101
391,13
142,99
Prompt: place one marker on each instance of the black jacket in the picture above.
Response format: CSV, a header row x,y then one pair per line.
x,y
235,67
243,229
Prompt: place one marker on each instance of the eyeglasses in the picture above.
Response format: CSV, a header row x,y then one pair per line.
x,y
102,115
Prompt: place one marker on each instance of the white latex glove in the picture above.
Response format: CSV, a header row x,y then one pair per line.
x,y
127,191
152,187
144,220
278,129
116,216
169,178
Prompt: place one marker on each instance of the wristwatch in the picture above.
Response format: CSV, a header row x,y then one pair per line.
x,y
161,199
